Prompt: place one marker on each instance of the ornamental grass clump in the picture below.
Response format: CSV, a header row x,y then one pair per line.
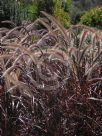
x,y
50,80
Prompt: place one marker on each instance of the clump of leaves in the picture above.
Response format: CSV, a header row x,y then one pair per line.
x,y
93,17
61,15
50,80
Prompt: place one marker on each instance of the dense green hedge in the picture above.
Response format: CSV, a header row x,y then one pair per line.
x,y
93,17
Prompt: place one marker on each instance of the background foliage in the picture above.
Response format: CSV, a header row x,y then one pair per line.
x,y
81,6
61,14
93,17
17,11
65,10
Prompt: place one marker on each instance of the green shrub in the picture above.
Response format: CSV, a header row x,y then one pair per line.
x,y
93,17
60,14
31,11
68,6
45,5
17,11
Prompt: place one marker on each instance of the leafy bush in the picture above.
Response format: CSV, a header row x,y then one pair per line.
x,y
93,17
17,11
31,10
46,5
68,6
60,14
81,6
